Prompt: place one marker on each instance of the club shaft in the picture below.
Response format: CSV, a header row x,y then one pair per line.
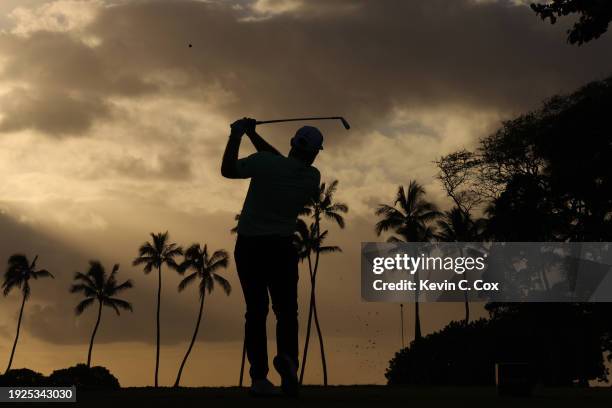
x,y
260,122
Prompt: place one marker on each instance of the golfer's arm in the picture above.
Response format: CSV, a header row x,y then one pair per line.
x,y
230,157
261,145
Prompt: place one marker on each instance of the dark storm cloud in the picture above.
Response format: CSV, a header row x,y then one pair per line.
x,y
357,58
362,63
50,111
64,85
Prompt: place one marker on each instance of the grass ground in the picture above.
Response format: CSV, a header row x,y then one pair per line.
x,y
345,396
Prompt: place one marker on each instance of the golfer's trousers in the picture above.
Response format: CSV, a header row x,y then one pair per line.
x,y
268,265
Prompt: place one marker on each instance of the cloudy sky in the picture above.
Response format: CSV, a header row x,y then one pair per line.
x,y
112,127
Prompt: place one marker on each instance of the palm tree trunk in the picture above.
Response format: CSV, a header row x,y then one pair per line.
x,y
466,303
193,339
309,324
465,296
467,309
158,328
417,317
402,323
93,334
242,363
16,335
417,322
314,304
323,362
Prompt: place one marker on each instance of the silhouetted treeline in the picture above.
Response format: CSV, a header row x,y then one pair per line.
x,y
557,341
545,176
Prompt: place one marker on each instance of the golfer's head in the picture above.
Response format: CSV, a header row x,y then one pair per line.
x,y
306,144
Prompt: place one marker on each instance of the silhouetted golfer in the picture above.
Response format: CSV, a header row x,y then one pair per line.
x,y
265,256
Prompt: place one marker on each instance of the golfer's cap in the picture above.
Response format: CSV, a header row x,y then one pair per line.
x,y
309,138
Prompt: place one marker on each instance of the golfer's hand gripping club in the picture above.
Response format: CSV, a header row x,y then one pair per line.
x,y
243,126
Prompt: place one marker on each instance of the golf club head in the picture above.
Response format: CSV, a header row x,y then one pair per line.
x,y
345,124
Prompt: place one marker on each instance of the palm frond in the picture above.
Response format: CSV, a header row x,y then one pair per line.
x,y
159,241
187,281
387,224
107,302
42,273
306,211
120,304
332,188
83,288
335,217
329,249
338,207
193,251
9,284
224,283
147,250
389,211
218,263
149,263
219,255
97,273
172,264
83,304
78,276
128,284
19,261
234,230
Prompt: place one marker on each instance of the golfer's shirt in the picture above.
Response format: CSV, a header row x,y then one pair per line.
x,y
280,187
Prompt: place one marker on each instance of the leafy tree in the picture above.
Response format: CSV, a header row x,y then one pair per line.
x,y
411,218
204,269
550,169
153,255
594,17
459,177
18,275
96,285
321,207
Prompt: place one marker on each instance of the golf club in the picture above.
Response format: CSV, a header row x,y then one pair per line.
x,y
340,118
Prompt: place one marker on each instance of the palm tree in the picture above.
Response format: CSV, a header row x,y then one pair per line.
x,y
95,285
154,255
205,269
409,217
322,206
457,225
18,275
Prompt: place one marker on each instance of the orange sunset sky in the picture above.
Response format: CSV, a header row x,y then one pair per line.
x,y
111,127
